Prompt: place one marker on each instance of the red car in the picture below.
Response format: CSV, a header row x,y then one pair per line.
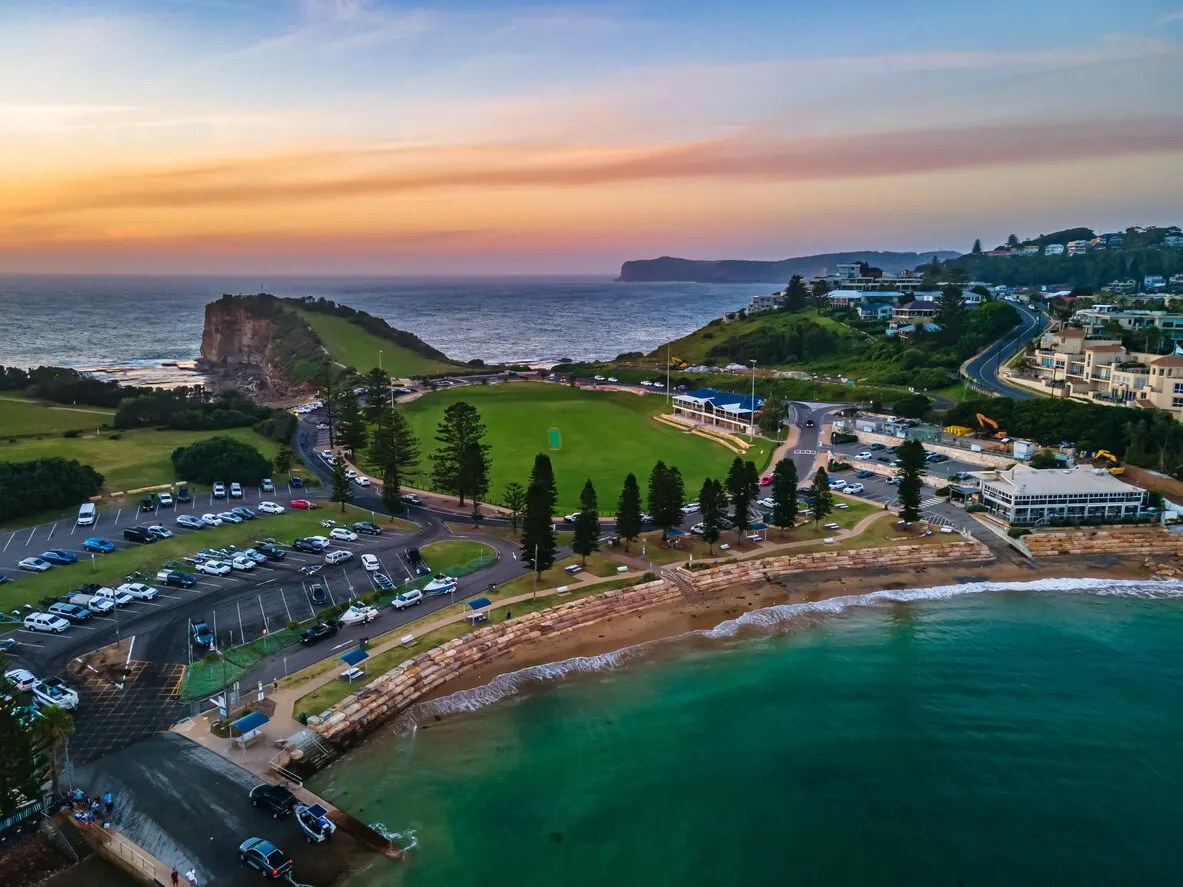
x,y
303,503
766,480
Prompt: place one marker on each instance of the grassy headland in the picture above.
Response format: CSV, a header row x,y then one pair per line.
x,y
353,346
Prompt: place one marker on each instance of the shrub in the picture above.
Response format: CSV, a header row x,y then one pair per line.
x,y
72,433
942,491
839,437
1018,532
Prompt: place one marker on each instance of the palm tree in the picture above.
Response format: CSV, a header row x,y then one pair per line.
x,y
53,731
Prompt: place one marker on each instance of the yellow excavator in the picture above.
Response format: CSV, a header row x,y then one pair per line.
x,y
1107,456
983,421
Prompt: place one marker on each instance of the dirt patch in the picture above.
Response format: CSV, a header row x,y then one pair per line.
x,y
108,663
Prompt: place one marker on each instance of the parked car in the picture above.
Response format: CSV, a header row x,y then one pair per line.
x,y
275,799
342,534
88,597
243,512
164,500
359,614
570,518
304,504
203,636
192,521
322,542
362,481
147,503
183,494
46,622
159,531
87,514
698,529
338,557
270,551
766,480
295,483
114,595
267,485
229,517
20,678
242,563
265,857
139,591
256,556
854,489
767,502
212,520
59,557
213,568
368,527
69,612
219,490
690,508
305,545
34,565
176,578
99,545
271,508
370,563
235,490
865,454
138,534
318,633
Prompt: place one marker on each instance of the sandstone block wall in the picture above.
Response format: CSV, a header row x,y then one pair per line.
x,y
1104,540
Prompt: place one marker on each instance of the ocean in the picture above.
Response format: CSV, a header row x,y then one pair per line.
x,y
106,322
1027,735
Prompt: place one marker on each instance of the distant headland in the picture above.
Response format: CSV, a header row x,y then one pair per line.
x,y
669,268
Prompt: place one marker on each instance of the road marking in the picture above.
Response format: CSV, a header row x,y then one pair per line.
x,y
31,532
9,542
266,581
119,512
51,529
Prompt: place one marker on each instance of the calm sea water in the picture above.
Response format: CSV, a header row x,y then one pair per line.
x,y
1026,737
127,321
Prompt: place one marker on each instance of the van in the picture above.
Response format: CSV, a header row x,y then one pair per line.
x,y
87,514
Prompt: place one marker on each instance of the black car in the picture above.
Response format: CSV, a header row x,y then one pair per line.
x,y
139,534
809,423
271,552
365,526
413,556
177,579
318,594
318,632
202,635
70,612
183,494
147,504
265,857
275,799
295,483
304,545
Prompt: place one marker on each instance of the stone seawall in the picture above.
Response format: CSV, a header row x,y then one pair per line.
x,y
1104,540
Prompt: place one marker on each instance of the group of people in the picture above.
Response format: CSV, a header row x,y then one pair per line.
x,y
87,809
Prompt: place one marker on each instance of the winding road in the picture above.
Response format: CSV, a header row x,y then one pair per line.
x,y
983,369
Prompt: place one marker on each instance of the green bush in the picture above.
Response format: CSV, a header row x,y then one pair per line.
x,y
839,437
942,492
1018,532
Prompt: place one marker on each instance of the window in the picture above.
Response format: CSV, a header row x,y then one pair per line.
x,y
1179,387
1176,403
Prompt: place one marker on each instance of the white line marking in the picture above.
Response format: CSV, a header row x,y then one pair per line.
x,y
51,529
9,542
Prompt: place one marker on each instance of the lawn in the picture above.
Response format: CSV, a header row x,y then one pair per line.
x,y
21,416
882,533
458,557
111,569
603,435
214,672
128,460
353,346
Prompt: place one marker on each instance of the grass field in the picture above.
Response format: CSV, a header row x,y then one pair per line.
x,y
604,435
352,346
21,416
133,459
458,557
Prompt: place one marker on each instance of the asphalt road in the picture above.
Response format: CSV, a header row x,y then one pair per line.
x,y
983,369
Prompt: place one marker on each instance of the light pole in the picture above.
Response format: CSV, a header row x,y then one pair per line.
x,y
535,597
752,405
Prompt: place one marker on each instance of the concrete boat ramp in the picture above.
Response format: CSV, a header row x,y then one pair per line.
x,y
187,806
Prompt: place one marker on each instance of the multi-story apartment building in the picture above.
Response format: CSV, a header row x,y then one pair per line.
x,y
1054,249
1025,495
1077,247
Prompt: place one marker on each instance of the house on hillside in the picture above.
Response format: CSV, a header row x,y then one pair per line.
x,y
1173,240
918,310
1078,247
733,412
875,311
1054,249
760,304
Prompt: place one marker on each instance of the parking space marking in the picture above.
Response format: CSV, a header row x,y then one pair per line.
x,y
31,532
51,529
9,542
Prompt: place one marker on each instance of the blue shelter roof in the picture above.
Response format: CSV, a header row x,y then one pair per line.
x,y
247,723
353,657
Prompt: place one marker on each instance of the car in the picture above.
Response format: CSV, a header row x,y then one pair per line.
x,y
295,483
53,691
865,454
59,557
854,489
886,459
767,502
328,455
645,383
229,517
183,494
940,457
212,520
570,518
20,678
322,541
305,545
243,512
271,508
339,556
192,521
202,635
878,446
114,595
164,500
87,514
613,380
275,799
407,599
359,614
147,503
646,518
362,481
809,423
159,531
865,474
176,578
99,545
270,551
243,563
343,534
411,499
837,483
698,529
266,485
322,426
71,612
365,526
257,556
45,622
138,534
350,473
766,480
139,591
690,508
213,568
833,526
599,378
34,565
235,491
370,563
265,857
318,633
304,504
219,490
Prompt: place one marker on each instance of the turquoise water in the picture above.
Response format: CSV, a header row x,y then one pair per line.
x,y
1007,738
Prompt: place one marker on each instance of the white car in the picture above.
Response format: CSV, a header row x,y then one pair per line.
x,y
321,542
339,556
165,500
192,521
219,490
600,379
211,520
698,529
613,380
865,454
362,480
343,534
139,591
21,678
229,517
646,384
407,599
45,622
767,502
833,527
359,614
327,455
267,485
117,597
322,426
213,568
854,489
690,508
570,518
236,490
242,562
160,531
34,564
350,473
270,508
370,562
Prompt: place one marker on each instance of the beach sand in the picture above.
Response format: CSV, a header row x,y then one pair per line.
x,y
695,614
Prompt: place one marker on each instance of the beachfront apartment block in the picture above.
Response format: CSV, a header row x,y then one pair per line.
x,y
1023,495
1078,247
770,302
1095,320
724,409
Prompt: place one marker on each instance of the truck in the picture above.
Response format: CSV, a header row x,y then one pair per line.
x,y
91,600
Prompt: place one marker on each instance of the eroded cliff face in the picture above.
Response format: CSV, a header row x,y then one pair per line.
x,y
241,344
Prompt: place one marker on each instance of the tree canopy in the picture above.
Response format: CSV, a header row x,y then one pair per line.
x,y
220,459
29,487
462,462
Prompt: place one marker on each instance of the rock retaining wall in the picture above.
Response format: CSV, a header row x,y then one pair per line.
x,y
1104,540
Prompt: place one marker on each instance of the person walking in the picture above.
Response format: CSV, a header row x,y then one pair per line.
x,y
175,878
108,802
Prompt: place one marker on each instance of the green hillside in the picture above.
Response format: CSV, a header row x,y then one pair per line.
x,y
353,346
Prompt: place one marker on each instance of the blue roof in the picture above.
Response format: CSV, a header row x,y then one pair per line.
x,y
247,723
727,398
480,603
353,657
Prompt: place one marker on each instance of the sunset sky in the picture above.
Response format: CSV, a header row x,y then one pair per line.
x,y
481,136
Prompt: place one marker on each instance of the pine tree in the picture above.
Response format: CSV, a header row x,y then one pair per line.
x,y
977,250
819,295
784,494
628,511
462,462
282,463
712,509
326,392
1012,240
538,535
823,499
342,488
543,475
514,499
911,454
796,294
52,731
666,490
747,482
951,314
351,427
406,445
19,776
392,492
377,385
587,523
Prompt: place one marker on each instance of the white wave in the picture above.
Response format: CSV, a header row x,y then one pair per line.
x,y
768,619
405,839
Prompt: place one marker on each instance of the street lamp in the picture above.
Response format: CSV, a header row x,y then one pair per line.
x,y
752,405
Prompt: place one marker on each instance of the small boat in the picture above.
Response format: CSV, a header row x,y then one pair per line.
x,y
314,822
440,584
383,582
